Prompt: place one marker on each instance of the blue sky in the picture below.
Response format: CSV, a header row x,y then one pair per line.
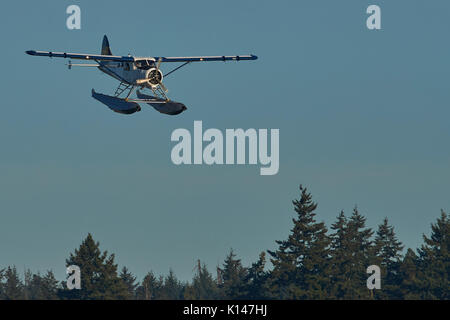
x,y
363,118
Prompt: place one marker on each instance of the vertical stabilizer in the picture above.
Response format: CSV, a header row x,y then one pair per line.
x,y
106,50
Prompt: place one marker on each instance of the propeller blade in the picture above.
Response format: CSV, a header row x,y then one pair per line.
x,y
159,63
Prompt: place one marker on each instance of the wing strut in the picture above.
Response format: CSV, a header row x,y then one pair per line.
x,y
177,68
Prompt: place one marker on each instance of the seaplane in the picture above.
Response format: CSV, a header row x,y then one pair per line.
x,y
135,73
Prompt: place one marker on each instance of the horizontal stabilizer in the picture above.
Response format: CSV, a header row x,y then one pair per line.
x,y
116,104
167,107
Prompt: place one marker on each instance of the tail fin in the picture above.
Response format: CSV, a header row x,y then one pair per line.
x,y
106,50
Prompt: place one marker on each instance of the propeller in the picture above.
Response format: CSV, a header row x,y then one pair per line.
x,y
158,65
154,77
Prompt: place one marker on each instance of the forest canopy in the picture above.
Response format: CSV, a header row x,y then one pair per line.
x,y
313,262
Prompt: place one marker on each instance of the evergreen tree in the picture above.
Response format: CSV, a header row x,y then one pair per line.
x,y
49,287
129,281
388,250
12,287
256,285
203,286
362,255
27,288
172,289
351,253
99,278
151,287
409,276
39,287
340,259
233,275
300,262
1,282
435,261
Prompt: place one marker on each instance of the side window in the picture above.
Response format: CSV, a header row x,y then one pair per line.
x,y
127,66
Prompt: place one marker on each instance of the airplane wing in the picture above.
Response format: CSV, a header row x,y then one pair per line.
x,y
99,57
82,56
206,58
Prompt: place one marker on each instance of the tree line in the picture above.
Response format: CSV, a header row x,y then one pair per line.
x,y
313,262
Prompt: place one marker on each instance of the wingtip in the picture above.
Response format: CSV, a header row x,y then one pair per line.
x,y
30,52
254,57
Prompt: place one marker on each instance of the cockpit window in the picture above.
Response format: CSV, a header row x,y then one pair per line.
x,y
143,64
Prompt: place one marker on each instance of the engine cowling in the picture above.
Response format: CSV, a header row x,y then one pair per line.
x,y
155,77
